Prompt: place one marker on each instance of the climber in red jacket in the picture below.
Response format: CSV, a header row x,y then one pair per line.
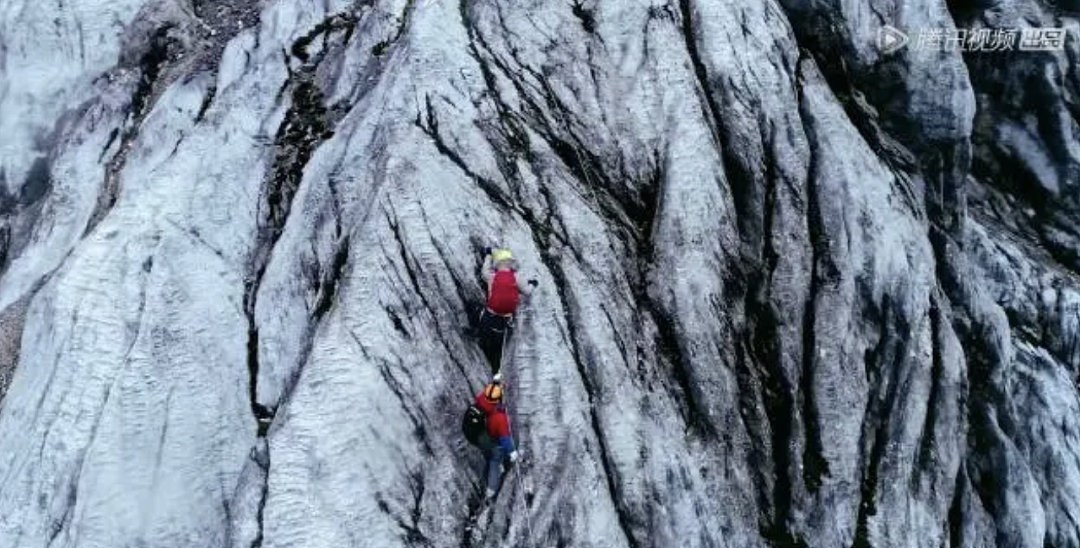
x,y
498,446
504,290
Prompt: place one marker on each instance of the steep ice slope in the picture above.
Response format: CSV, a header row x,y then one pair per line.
x,y
784,301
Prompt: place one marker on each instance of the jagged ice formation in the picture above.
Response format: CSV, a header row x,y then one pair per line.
x,y
794,292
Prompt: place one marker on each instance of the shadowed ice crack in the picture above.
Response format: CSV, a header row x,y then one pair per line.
x,y
823,272
162,46
884,366
304,127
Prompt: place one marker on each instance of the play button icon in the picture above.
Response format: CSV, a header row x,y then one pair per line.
x,y
890,39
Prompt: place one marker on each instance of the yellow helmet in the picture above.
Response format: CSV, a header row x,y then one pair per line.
x,y
500,255
493,392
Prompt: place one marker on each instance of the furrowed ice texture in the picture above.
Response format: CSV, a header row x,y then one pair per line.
x,y
792,291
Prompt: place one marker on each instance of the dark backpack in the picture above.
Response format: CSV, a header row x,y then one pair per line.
x,y
474,424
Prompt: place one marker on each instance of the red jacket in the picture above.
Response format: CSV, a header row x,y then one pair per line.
x,y
504,296
498,422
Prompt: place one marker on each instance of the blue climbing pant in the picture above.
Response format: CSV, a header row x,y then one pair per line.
x,y
495,462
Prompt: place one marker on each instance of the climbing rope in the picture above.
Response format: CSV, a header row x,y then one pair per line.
x,y
502,348
503,360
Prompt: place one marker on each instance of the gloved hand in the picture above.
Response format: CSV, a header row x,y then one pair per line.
x,y
487,251
514,456
534,283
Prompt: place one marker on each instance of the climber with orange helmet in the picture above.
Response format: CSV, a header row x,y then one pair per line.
x,y
504,290
487,426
